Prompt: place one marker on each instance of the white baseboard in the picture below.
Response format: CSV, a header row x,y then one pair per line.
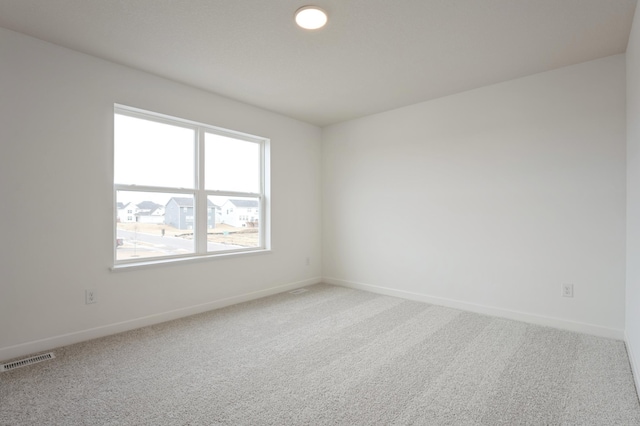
x,y
633,353
579,327
49,343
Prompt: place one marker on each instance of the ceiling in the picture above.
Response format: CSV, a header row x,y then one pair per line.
x,y
373,56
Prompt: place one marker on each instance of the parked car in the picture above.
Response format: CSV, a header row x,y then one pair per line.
x,y
119,242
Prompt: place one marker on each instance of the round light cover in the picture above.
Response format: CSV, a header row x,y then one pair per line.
x,y
311,17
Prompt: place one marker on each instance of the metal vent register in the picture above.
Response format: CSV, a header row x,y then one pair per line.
x,y
27,361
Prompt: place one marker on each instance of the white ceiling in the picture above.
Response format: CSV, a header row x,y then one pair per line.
x,y
374,55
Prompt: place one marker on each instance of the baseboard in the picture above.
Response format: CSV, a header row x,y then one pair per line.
x,y
579,327
633,353
50,343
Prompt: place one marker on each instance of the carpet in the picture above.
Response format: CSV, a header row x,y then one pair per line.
x,y
329,356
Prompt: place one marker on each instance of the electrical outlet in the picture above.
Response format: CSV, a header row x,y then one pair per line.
x,y
567,290
90,297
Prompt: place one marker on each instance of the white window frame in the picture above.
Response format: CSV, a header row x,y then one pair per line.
x,y
199,193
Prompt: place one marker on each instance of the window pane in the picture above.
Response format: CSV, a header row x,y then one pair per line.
x,y
231,164
237,223
187,162
153,154
152,224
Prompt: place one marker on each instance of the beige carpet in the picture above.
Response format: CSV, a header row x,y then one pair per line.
x,y
329,356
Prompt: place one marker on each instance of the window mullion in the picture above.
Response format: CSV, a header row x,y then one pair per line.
x,y
262,238
142,188
200,233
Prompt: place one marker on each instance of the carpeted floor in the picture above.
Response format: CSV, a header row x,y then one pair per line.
x,y
329,356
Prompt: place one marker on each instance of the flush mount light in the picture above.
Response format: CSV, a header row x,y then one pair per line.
x,y
311,17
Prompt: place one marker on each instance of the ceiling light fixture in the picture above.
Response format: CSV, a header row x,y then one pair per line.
x,y
311,17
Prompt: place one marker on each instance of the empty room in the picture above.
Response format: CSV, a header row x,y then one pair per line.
x,y
250,212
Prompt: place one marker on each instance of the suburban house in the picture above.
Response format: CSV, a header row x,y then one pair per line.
x,y
126,213
240,212
178,213
150,212
144,212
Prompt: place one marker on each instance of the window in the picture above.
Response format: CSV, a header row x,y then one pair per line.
x,y
176,174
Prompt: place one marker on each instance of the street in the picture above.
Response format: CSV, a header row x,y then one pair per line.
x,y
137,244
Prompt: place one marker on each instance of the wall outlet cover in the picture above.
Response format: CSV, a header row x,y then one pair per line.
x,y
90,296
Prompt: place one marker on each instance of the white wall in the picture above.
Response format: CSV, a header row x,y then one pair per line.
x,y
56,109
633,198
507,192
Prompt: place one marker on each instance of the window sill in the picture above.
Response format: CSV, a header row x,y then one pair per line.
x,y
151,263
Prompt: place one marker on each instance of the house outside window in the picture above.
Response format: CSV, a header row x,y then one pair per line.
x,y
179,176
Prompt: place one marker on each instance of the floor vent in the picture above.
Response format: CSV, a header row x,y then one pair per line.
x,y
27,361
298,291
